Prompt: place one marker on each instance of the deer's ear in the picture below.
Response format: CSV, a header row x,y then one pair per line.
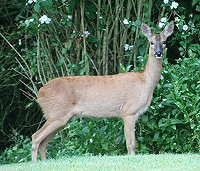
x,y
168,30
146,30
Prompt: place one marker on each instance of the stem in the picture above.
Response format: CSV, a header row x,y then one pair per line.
x,y
139,5
84,52
98,35
115,39
28,74
150,8
105,55
39,63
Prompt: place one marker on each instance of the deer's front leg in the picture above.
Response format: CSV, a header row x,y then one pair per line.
x,y
129,130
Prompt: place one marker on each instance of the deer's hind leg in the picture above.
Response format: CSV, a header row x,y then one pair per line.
x,y
44,143
41,138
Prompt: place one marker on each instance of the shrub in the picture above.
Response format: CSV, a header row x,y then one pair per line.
x,y
20,152
172,123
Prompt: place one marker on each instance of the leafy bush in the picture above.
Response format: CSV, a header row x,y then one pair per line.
x,y
20,152
172,123
89,136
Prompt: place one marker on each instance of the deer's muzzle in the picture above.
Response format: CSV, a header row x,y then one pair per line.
x,y
158,54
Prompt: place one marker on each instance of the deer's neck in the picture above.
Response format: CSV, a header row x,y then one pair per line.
x,y
152,71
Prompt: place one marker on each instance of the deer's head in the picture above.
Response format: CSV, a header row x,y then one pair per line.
x,y
157,41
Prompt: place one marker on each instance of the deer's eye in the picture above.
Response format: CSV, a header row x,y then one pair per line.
x,y
151,43
164,42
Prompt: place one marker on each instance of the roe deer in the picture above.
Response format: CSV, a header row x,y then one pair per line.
x,y
125,95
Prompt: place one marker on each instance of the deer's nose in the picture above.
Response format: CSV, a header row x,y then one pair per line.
x,y
158,54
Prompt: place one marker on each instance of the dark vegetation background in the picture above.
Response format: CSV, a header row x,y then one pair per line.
x,y
32,54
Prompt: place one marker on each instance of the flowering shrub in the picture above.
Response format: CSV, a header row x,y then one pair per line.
x,y
41,10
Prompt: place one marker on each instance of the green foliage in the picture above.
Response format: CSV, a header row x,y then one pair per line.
x,y
20,152
93,136
58,38
172,123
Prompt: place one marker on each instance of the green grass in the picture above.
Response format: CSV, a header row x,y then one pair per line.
x,y
165,162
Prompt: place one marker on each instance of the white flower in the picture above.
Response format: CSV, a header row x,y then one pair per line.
x,y
27,22
185,27
31,20
166,1
91,140
69,17
160,25
45,19
125,21
163,20
128,47
100,17
31,1
177,19
86,34
20,42
174,5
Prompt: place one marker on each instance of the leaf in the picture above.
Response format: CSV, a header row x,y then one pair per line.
x,y
144,119
64,50
168,85
82,71
137,23
175,121
81,62
61,61
105,146
119,139
198,8
194,2
141,139
156,135
20,151
128,68
37,8
160,123
173,127
69,44
47,4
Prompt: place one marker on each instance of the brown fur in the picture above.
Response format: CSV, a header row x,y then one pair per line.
x,y
124,95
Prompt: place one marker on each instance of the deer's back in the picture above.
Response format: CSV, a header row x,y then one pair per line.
x,y
99,96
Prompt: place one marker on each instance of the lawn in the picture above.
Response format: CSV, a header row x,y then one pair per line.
x,y
165,162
